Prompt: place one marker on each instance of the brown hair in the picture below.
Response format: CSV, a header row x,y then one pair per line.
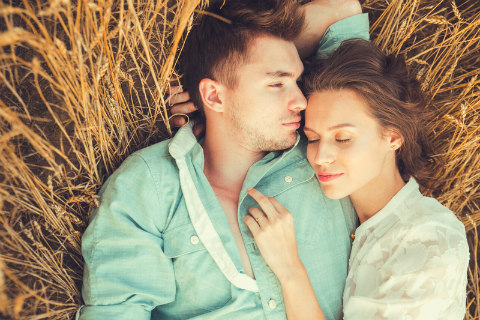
x,y
215,48
392,93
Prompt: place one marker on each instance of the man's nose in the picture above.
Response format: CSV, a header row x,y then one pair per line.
x,y
299,102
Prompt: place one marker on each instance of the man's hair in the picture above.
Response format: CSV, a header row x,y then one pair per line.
x,y
393,95
215,48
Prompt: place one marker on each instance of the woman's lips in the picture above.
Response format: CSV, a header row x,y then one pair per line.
x,y
325,177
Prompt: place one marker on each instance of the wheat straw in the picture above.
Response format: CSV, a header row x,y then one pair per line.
x,y
83,85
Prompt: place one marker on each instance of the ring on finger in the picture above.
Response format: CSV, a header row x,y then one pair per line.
x,y
259,218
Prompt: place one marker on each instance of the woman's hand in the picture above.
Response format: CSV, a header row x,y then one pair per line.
x,y
274,233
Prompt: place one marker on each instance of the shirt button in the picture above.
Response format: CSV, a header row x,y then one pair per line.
x,y
288,179
194,240
272,304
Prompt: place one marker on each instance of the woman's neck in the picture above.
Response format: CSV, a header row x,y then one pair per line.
x,y
374,196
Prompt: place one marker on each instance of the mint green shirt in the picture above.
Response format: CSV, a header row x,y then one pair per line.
x,y
159,246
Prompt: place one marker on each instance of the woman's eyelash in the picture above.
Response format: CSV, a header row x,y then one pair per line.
x,y
276,85
338,140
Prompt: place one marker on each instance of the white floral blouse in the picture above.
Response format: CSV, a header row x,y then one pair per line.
x,y
409,261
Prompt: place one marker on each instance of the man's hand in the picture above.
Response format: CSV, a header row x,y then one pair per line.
x,y
181,105
319,15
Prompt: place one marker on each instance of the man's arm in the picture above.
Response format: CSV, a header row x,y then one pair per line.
x,y
319,15
126,273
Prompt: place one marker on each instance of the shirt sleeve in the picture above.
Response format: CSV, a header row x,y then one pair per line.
x,y
354,27
126,273
424,277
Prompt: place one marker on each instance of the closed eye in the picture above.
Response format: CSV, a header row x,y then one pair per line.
x,y
276,85
343,140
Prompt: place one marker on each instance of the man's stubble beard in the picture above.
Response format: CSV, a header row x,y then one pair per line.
x,y
252,137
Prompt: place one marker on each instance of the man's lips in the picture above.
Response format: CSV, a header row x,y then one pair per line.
x,y
294,123
325,176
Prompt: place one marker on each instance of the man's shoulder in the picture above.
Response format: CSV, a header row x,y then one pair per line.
x,y
152,164
156,157
156,153
144,177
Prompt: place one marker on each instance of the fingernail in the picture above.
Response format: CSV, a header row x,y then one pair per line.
x,y
249,189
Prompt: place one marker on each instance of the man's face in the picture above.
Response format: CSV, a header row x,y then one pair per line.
x,y
263,109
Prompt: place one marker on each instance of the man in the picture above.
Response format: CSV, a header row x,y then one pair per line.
x,y
168,240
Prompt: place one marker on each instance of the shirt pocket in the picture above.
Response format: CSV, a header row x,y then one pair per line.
x,y
200,284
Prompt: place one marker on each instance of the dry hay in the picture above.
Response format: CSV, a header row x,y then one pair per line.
x,y
83,83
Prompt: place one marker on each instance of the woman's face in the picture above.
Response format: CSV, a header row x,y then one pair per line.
x,y
347,148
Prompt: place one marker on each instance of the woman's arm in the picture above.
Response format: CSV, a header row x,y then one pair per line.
x,y
274,234
299,297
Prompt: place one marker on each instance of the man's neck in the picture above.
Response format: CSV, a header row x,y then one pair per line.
x,y
226,161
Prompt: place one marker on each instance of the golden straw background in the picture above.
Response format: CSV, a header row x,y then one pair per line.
x,y
83,84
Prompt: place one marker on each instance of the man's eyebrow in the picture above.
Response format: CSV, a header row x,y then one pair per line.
x,y
338,126
281,74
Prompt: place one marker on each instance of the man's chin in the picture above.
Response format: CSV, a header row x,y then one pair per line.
x,y
280,145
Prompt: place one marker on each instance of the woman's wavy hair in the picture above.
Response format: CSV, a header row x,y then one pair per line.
x,y
392,93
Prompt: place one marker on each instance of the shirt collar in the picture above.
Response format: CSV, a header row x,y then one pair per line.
x,y
409,192
183,141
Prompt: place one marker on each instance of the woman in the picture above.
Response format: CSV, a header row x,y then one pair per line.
x,y
366,140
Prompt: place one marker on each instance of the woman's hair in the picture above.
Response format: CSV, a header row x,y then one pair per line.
x,y
393,95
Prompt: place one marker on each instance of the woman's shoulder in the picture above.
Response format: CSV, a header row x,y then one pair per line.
x,y
426,212
427,221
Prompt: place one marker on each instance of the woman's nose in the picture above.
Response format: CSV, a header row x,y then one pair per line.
x,y
324,154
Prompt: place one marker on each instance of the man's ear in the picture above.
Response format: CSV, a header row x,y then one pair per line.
x,y
394,137
211,92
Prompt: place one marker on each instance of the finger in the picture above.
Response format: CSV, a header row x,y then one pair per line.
x,y
177,121
174,89
198,129
259,217
252,225
179,97
264,203
279,207
185,108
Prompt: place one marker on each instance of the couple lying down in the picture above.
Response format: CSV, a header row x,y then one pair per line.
x,y
237,224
